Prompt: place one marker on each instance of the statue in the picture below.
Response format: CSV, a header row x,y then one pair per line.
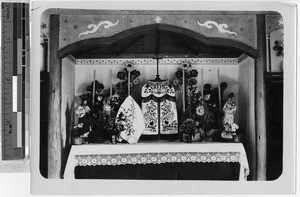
x,y
83,111
229,125
229,110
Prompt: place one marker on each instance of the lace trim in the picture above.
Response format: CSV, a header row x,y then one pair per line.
x,y
156,158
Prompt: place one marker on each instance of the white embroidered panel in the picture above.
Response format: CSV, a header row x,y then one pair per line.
x,y
168,117
157,89
159,108
135,124
150,117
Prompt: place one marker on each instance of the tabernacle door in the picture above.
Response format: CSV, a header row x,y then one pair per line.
x,y
159,108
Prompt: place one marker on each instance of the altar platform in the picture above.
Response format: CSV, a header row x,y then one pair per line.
x,y
171,156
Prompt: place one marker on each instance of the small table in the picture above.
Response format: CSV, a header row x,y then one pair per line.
x,y
156,153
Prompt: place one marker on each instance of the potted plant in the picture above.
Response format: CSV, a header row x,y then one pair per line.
x,y
79,135
237,136
113,128
187,128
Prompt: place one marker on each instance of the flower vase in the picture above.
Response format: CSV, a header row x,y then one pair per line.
x,y
237,138
189,138
113,139
77,140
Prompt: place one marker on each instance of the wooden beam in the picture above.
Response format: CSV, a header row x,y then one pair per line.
x,y
260,97
54,123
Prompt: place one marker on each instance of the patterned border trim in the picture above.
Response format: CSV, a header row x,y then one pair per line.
x,y
253,43
156,158
204,61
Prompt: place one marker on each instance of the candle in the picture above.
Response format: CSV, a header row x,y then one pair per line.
x,y
94,86
128,81
219,90
110,83
183,90
202,83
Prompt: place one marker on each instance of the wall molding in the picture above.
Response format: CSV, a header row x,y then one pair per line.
x,y
71,59
199,61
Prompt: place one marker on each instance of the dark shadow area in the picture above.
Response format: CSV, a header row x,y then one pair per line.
x,y
168,171
66,149
44,102
274,109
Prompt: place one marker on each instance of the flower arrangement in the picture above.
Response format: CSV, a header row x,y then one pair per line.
x,y
229,131
114,102
79,135
98,87
89,95
193,96
192,130
77,130
122,86
188,126
278,48
190,76
112,127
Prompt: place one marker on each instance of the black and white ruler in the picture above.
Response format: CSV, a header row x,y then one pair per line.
x,y
15,79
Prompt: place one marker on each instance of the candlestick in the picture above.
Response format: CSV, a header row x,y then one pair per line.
x,y
94,87
219,90
183,90
110,83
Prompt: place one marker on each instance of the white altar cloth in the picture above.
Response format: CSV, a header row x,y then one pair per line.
x,y
156,153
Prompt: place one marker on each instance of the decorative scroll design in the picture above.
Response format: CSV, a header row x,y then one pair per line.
x,y
242,25
208,24
203,61
95,27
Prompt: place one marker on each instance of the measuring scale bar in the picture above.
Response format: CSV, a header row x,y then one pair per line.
x,y
15,65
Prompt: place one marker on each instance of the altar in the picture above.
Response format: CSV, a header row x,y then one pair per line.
x,y
150,77
144,153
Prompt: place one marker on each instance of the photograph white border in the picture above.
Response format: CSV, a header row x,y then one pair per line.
x,y
284,185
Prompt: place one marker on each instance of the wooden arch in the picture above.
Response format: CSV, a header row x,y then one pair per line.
x,y
142,30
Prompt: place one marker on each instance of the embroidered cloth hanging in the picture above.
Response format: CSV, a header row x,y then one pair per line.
x,y
159,108
134,122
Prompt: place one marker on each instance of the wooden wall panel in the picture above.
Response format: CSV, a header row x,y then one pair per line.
x,y
54,126
246,108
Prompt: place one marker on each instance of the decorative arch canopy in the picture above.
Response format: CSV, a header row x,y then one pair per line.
x,y
238,31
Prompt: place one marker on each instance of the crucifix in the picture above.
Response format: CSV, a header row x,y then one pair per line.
x,y
157,56
157,69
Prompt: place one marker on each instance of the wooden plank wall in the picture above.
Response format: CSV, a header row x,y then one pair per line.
x,y
54,126
260,106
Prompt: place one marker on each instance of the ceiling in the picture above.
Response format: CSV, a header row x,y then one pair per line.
x,y
156,43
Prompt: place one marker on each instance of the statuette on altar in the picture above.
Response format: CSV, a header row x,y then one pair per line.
x,y
229,125
82,129
83,111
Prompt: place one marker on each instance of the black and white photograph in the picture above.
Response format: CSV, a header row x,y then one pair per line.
x,y
162,98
